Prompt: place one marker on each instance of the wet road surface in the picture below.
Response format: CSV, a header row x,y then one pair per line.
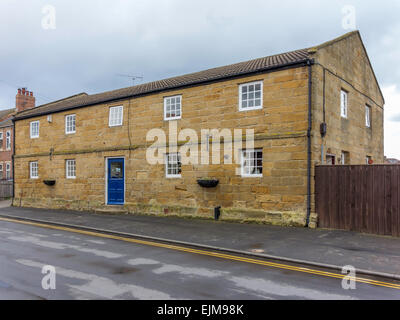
x,y
89,267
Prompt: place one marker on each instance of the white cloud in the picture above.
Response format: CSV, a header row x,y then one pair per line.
x,y
392,121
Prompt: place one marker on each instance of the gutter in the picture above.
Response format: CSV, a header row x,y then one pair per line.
x,y
310,62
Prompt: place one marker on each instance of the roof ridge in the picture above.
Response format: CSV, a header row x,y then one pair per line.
x,y
337,39
56,101
206,70
219,73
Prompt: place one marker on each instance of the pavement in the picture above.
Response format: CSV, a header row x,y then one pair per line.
x,y
335,248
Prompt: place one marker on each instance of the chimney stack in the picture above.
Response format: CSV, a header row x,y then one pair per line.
x,y
24,100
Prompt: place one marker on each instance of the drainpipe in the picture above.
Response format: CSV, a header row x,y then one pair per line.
x,y
323,124
13,159
309,64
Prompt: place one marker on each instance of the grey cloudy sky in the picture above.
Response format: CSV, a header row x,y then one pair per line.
x,y
95,40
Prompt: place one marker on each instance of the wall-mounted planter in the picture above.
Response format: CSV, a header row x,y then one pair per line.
x,y
208,183
49,182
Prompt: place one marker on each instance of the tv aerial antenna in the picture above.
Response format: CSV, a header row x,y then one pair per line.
x,y
133,78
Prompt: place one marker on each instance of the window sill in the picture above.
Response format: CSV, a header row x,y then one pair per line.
x,y
178,176
171,119
252,175
250,109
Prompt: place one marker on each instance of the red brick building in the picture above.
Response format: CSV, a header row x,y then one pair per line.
x,y
24,100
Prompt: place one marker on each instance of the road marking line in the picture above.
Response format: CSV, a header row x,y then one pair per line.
x,y
207,253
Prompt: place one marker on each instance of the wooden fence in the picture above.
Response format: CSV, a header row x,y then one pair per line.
x,y
6,189
359,198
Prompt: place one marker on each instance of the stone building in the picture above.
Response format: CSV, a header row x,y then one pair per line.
x,y
306,107
24,100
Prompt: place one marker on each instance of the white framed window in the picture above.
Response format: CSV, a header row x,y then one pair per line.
x,y
70,124
252,163
8,171
343,103
173,165
8,140
173,108
344,158
330,159
34,169
367,116
250,96
1,140
70,169
368,160
34,129
116,116
1,171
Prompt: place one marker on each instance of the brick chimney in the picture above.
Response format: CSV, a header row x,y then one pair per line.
x,y
24,100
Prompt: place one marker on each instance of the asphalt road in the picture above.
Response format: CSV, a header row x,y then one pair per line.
x,y
90,267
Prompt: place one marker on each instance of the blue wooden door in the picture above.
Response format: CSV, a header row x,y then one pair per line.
x,y
116,181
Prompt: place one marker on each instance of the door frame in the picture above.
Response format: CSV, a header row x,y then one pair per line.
x,y
106,178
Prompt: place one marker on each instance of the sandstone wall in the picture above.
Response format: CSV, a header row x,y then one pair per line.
x,y
280,129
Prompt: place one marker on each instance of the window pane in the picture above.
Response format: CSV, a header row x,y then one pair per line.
x,y
116,170
251,96
34,169
172,107
173,164
252,162
116,116
71,168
